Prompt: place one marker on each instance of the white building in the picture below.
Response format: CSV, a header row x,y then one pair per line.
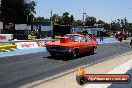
x,y
90,29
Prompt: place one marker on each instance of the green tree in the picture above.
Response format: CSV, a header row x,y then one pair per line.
x,y
90,21
120,25
71,20
59,20
67,20
0,12
107,27
114,26
100,22
129,27
55,17
78,23
39,19
17,11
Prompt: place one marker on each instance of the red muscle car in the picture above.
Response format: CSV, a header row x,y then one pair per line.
x,y
72,45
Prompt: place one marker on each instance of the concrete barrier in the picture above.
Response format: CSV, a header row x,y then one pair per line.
x,y
36,40
23,44
9,47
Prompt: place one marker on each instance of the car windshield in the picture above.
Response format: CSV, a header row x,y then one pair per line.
x,y
74,38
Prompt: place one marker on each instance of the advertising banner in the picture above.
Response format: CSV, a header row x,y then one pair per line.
x,y
6,37
41,43
26,45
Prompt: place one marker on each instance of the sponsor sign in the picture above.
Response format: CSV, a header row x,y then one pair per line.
x,y
2,37
31,37
41,43
6,37
26,45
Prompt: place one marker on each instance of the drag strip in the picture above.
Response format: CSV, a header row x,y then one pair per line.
x,y
23,69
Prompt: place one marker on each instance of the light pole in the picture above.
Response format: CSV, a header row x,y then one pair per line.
x,y
51,19
83,19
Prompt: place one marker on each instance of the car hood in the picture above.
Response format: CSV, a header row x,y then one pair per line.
x,y
58,43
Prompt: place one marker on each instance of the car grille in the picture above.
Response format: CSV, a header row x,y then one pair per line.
x,y
56,47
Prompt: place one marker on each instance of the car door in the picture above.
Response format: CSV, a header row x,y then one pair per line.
x,y
83,44
89,43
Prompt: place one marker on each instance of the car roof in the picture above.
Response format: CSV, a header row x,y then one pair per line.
x,y
75,34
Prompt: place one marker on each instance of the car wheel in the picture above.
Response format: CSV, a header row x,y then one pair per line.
x,y
81,80
92,51
74,54
53,55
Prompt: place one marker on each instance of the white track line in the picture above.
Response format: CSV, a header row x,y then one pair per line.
x,y
123,68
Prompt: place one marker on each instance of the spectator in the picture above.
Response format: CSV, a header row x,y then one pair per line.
x,y
116,36
101,35
85,32
125,36
131,42
120,37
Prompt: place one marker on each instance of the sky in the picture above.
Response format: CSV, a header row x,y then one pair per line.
x,y
106,10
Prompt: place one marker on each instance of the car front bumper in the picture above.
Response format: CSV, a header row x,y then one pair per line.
x,y
59,51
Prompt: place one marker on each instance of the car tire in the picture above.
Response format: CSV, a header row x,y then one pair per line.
x,y
81,80
74,54
53,55
92,51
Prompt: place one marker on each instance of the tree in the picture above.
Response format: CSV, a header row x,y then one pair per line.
x,y
119,25
114,26
107,27
0,12
100,22
67,20
90,21
71,20
78,23
17,11
38,19
124,24
57,20
30,10
55,17
130,27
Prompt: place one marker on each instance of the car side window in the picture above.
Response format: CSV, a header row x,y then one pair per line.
x,y
83,39
88,39
76,39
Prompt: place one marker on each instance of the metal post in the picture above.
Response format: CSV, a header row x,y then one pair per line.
x,y
83,18
83,21
51,21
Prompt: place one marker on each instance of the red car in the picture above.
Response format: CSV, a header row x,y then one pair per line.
x,y
72,45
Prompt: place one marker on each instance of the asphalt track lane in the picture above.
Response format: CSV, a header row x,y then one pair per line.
x,y
20,70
